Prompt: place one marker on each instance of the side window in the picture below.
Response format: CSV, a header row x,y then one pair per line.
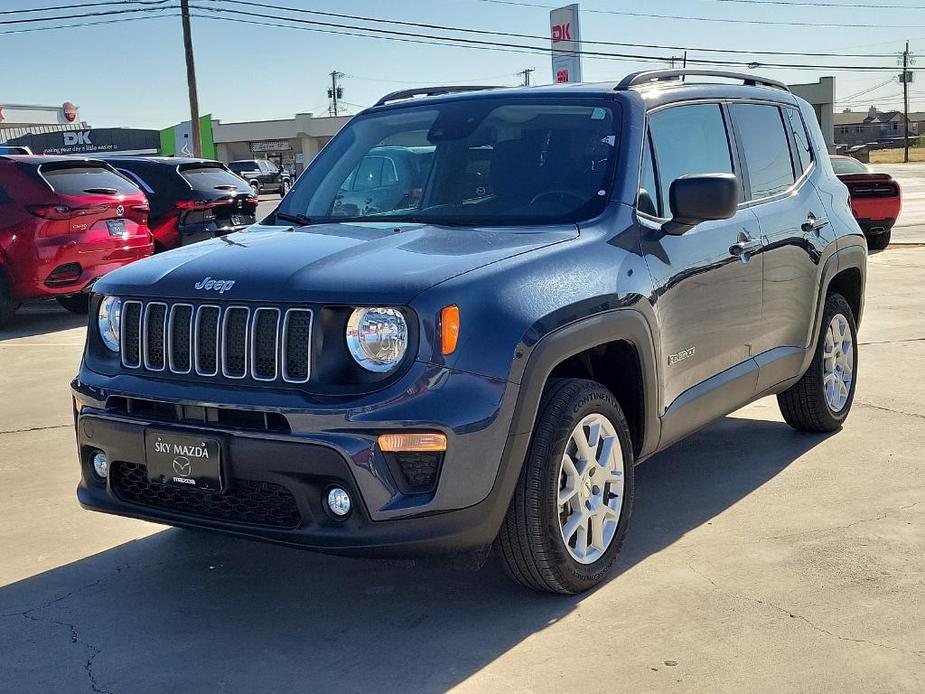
x,y
369,173
766,148
647,198
689,140
389,174
800,137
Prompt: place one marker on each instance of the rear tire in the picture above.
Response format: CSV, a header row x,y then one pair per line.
x,y
821,400
255,187
879,241
283,188
8,306
557,535
79,303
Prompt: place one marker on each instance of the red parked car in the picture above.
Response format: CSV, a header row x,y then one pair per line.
x,y
64,223
875,199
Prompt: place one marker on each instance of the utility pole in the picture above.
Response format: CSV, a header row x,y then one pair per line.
x,y
905,79
191,78
526,73
335,93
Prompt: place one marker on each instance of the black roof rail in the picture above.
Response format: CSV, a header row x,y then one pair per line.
x,y
654,76
430,91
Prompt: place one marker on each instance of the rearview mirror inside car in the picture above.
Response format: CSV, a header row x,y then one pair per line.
x,y
700,198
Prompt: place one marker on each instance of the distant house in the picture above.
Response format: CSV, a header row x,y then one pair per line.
x,y
875,126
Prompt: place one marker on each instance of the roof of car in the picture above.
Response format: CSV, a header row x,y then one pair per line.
x,y
665,86
172,161
39,159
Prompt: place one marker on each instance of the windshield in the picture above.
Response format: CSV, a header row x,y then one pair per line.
x,y
211,177
847,165
478,162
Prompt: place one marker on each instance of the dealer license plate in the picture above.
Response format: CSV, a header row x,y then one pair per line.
x,y
116,227
193,462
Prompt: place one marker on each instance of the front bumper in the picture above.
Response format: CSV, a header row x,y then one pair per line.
x,y
276,481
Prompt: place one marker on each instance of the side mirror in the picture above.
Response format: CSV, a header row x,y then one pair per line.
x,y
701,198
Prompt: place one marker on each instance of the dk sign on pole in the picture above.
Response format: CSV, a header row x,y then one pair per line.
x,y
566,44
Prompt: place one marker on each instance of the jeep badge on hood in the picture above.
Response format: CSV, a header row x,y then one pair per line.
x,y
220,286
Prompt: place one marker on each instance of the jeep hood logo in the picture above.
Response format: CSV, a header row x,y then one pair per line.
x,y
209,284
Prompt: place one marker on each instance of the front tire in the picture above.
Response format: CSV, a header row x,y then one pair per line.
x,y
283,188
570,510
880,241
821,400
255,187
79,303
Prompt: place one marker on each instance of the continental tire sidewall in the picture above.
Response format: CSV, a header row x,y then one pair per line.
x,y
550,440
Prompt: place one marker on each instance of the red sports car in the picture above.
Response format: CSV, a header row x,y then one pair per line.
x,y
65,222
875,199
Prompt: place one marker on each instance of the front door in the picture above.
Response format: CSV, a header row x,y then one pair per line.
x,y
708,281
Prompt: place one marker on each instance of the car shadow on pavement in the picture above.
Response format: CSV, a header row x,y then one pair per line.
x,y
40,319
191,611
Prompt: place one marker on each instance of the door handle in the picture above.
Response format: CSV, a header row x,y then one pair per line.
x,y
745,247
814,223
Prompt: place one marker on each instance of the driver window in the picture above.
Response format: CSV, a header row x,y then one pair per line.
x,y
689,140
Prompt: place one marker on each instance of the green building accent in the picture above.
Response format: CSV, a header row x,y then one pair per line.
x,y
170,136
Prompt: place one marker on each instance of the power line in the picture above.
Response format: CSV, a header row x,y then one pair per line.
x,y
509,34
723,20
81,25
84,15
451,40
33,10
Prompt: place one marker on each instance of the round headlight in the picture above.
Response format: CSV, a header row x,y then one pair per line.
x,y
377,338
109,321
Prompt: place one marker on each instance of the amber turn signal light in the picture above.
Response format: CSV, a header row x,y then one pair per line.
x,y
412,443
449,329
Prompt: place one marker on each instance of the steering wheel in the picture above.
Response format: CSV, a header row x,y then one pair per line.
x,y
560,193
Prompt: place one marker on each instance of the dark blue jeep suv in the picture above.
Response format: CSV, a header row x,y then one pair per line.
x,y
576,277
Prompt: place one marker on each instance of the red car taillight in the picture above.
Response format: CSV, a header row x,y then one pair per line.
x,y
60,212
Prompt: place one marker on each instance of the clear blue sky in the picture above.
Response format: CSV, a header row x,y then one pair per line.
x,y
133,74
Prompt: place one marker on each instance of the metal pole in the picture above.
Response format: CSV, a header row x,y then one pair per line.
x,y
334,91
906,104
191,78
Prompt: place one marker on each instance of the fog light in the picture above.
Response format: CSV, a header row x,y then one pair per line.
x,y
101,464
339,502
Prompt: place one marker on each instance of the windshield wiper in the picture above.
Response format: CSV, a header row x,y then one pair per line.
x,y
301,219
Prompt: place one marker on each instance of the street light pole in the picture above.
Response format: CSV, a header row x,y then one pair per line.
x,y
191,78
906,104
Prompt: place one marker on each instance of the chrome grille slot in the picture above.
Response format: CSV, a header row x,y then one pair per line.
x,y
131,334
180,338
234,341
297,331
155,336
265,344
261,344
206,341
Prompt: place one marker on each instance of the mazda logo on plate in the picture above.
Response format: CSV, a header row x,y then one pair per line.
x,y
182,466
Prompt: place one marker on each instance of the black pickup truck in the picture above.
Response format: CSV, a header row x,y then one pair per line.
x,y
574,280
263,176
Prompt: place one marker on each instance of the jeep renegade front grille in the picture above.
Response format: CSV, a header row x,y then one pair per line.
x,y
263,344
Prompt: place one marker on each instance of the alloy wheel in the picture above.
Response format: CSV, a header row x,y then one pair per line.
x,y
838,363
590,494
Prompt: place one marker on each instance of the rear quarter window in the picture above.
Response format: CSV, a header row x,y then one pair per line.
x,y
84,180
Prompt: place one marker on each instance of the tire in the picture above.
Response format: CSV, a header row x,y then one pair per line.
x,y
8,306
283,188
79,303
879,241
530,544
805,405
255,187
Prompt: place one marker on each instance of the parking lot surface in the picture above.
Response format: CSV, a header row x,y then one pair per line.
x,y
759,559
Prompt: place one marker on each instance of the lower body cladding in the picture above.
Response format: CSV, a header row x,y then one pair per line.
x,y
267,472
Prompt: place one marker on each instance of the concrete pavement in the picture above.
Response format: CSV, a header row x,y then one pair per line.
x,y
759,560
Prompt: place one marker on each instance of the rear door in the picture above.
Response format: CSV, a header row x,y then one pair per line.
x,y
708,280
779,163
